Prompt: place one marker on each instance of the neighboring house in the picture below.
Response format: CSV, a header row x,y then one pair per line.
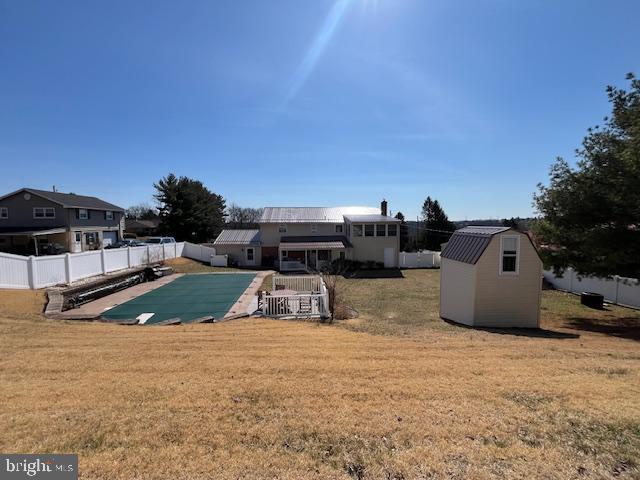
x,y
241,246
490,277
303,238
32,221
142,228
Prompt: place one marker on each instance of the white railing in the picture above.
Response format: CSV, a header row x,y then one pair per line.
x,y
310,300
423,259
292,266
620,290
302,305
299,283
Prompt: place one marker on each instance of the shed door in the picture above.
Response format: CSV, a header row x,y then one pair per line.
x,y
389,257
251,260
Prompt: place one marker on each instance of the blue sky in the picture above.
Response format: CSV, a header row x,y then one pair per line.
x,y
320,102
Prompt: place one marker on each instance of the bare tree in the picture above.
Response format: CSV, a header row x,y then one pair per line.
x,y
242,217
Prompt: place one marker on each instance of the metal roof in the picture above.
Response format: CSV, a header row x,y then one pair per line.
x,y
372,218
468,244
320,241
70,200
238,237
32,230
313,214
313,246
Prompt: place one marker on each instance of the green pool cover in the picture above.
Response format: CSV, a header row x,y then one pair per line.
x,y
188,297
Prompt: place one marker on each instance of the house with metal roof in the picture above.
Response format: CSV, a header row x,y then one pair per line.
x,y
242,247
310,238
36,221
491,277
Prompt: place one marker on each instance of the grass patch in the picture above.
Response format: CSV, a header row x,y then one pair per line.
x,y
260,398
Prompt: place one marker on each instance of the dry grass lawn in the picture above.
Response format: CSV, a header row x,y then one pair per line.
x,y
394,394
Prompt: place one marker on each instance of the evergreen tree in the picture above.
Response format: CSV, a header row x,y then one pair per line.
x,y
189,210
436,227
591,213
404,232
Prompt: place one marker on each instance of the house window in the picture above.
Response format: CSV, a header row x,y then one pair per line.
x,y
339,229
381,230
108,215
83,214
314,228
91,238
4,212
282,229
357,230
284,254
392,230
509,247
44,212
369,230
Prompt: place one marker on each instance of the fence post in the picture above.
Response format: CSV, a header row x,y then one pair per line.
x,y
128,257
103,261
31,264
175,250
148,254
617,279
67,268
164,253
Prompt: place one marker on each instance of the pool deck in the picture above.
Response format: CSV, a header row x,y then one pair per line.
x,y
98,307
244,306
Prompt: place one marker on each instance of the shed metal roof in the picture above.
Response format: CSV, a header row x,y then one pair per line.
x,y
70,200
238,237
313,214
467,244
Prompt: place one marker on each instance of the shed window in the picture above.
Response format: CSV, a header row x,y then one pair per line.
x,y
392,230
381,230
44,212
368,230
357,230
4,212
509,247
282,229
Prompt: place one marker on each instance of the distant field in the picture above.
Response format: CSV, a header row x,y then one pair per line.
x,y
278,399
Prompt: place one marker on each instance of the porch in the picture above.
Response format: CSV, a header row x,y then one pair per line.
x,y
299,296
303,255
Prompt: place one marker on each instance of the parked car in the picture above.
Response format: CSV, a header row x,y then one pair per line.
x,y
127,242
160,240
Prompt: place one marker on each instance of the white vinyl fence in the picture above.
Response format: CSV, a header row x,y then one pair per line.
x,y
17,271
619,290
422,259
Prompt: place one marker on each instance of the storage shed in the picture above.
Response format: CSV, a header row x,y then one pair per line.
x,y
491,277
241,246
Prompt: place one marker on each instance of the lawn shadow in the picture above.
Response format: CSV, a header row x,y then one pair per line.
x,y
382,273
626,327
519,332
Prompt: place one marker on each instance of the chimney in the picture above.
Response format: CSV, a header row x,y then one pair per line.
x,y
383,208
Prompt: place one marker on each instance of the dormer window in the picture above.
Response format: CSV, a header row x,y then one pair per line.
x,y
282,228
83,214
339,228
509,253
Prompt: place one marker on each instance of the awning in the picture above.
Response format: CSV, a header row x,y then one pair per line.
x,y
32,232
312,246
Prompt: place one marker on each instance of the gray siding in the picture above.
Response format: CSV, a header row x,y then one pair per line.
x,y
270,236
238,253
21,212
